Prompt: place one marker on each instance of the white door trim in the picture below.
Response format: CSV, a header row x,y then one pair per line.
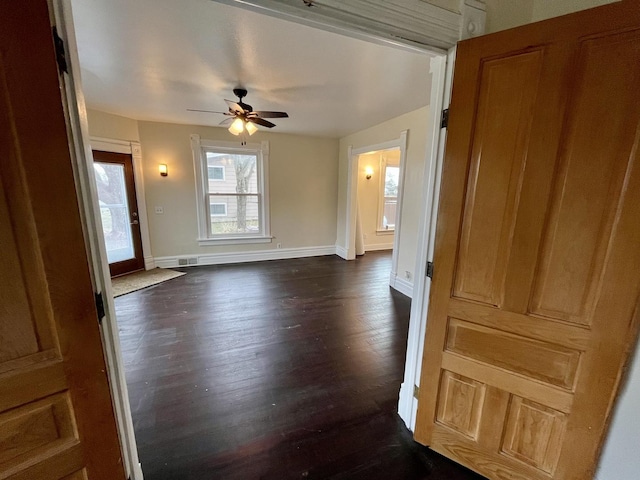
x,y
135,150
80,150
352,194
442,77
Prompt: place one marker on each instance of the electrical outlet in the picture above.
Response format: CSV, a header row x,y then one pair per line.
x,y
278,245
159,210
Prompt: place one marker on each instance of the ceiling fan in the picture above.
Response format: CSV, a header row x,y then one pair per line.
x,y
242,118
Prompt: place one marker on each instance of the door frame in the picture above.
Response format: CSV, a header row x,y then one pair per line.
x,y
81,145
135,150
352,195
86,190
441,70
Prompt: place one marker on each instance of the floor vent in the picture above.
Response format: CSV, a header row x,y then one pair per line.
x,y
187,261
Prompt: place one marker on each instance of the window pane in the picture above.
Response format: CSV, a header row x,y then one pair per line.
x,y
114,210
389,213
233,173
215,172
392,175
241,215
218,209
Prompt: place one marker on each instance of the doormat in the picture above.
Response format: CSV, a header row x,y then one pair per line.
x,y
139,280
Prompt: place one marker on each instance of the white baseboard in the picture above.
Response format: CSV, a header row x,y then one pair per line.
x,y
137,472
378,246
400,284
342,252
242,257
149,263
407,406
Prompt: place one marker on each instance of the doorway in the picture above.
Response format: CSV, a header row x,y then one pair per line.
x,y
378,193
118,211
367,184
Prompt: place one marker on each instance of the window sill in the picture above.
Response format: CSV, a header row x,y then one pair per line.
x,y
385,232
204,242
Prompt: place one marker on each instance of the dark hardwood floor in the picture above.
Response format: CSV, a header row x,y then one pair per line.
x,y
286,369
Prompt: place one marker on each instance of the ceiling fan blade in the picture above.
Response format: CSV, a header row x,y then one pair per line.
x,y
264,114
234,106
260,121
227,121
205,111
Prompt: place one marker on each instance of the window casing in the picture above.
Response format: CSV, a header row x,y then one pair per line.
x,y
232,191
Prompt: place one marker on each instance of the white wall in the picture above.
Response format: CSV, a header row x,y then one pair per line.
x,y
543,9
303,184
416,123
115,127
303,181
503,14
620,459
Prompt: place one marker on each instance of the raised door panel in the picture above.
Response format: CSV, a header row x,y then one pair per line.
x,y
544,361
534,433
589,185
17,339
498,156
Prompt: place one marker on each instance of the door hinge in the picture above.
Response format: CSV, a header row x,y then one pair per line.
x,y
430,269
416,391
100,307
61,56
444,119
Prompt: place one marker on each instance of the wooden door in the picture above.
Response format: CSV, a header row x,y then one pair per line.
x,y
534,302
56,416
119,210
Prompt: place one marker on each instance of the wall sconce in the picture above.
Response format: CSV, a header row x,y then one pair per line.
x,y
368,171
163,169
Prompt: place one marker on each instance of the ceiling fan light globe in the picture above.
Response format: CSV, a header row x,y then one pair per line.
x,y
237,127
251,128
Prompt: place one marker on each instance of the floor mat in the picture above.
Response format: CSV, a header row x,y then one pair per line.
x,y
139,280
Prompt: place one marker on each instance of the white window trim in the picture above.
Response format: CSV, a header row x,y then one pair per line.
x,y
201,176
224,174
381,197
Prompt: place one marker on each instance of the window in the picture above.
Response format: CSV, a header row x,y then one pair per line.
x,y
389,179
232,189
218,210
215,172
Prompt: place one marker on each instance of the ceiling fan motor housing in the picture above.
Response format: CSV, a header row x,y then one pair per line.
x,y
241,93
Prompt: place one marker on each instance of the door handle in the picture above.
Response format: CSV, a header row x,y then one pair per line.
x,y
135,222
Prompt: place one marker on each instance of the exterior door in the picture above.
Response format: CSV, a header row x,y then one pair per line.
x,y
56,415
119,211
534,302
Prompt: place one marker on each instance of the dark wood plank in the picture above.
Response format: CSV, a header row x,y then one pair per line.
x,y
273,370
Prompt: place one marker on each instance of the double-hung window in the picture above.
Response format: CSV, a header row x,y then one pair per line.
x,y
389,179
232,190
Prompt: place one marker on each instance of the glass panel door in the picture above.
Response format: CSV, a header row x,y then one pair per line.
x,y
114,211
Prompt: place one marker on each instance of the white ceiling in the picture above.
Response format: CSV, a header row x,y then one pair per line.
x,y
154,59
